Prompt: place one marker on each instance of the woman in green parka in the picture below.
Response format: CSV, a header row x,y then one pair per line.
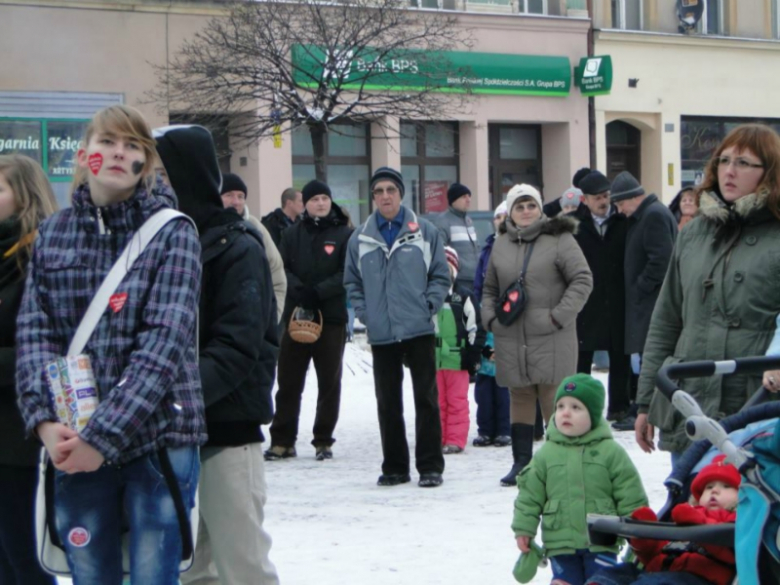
x,y
578,471
721,294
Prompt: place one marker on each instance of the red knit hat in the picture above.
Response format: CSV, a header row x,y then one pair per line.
x,y
718,470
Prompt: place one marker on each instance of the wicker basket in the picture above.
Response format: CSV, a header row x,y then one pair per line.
x,y
304,331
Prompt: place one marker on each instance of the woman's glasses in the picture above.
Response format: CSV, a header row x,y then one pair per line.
x,y
740,163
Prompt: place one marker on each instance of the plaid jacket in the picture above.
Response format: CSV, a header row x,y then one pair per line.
x,y
143,354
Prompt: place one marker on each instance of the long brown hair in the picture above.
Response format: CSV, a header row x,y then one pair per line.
x,y
33,198
762,141
126,122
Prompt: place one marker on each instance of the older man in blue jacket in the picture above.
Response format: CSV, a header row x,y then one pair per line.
x,y
397,278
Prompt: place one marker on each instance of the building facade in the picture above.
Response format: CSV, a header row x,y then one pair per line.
x,y
66,59
676,93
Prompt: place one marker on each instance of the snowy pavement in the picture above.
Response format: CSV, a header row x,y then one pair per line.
x,y
332,525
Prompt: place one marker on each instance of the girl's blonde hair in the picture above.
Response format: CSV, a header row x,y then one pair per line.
x,y
124,122
33,198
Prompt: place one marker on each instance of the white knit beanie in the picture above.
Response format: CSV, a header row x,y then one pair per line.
x,y
522,191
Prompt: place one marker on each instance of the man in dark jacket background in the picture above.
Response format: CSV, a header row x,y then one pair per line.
x,y
601,323
313,251
238,350
283,217
652,230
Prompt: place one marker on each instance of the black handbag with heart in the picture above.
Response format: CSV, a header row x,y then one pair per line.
x,y
511,304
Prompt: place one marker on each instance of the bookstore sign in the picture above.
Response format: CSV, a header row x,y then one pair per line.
x,y
52,143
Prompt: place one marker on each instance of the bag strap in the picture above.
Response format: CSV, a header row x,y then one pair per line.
x,y
185,529
130,254
530,249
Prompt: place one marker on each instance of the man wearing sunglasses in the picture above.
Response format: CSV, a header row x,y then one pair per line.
x,y
397,278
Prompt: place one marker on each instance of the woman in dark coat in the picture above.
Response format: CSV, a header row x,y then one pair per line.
x,y
25,200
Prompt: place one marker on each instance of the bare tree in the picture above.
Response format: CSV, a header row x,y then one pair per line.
x,y
275,66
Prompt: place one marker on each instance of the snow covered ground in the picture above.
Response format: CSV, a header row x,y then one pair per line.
x,y
332,525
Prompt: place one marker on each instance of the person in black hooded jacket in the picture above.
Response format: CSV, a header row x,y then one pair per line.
x,y
238,350
313,251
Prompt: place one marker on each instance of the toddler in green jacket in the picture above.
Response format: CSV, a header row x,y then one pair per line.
x,y
579,470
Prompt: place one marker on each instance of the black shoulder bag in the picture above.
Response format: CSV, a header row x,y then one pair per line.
x,y
511,304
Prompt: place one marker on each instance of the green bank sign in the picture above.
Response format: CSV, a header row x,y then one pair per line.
x,y
450,71
594,75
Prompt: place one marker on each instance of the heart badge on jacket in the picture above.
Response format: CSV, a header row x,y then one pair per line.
x,y
117,301
329,249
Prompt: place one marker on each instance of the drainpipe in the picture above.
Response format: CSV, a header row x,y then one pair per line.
x,y
591,100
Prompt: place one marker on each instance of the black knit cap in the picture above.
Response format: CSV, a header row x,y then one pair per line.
x,y
388,174
313,188
578,176
625,186
594,183
456,191
232,182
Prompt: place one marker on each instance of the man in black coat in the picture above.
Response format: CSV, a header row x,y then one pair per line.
x,y
601,323
652,230
238,349
313,251
283,217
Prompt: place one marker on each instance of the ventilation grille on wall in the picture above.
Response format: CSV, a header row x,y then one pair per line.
x,y
54,104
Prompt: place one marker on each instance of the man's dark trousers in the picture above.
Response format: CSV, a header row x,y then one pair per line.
x,y
420,357
618,380
327,353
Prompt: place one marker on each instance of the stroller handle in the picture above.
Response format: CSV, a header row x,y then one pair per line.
x,y
665,380
697,425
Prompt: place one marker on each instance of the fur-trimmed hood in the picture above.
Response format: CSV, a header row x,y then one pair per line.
x,y
555,226
714,209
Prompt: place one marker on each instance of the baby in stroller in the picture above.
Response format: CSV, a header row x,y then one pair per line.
x,y
714,493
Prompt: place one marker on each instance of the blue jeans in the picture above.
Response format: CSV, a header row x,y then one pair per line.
x,y
577,568
92,509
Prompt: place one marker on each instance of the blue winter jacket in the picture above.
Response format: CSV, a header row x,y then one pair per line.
x,y
396,291
482,264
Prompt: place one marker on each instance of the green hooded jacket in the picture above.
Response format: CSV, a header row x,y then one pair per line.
x,y
719,301
570,477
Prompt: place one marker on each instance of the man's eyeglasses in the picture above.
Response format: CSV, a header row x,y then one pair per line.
x,y
740,163
388,190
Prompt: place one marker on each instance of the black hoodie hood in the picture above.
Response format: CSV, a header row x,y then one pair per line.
x,y
187,152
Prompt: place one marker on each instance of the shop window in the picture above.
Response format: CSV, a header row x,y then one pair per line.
x,y
429,164
712,18
515,156
348,161
700,135
775,19
627,14
532,6
424,3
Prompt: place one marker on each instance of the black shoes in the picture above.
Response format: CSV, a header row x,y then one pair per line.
x,y
278,452
502,441
430,480
392,479
627,424
323,452
482,441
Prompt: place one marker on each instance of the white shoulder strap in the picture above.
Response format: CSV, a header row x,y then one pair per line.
x,y
132,251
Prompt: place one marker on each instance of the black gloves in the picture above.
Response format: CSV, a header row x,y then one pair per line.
x,y
308,298
471,360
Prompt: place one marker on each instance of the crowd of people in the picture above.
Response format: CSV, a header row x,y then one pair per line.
x,y
186,345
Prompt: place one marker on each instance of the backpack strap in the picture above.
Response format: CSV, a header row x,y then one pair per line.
x,y
134,248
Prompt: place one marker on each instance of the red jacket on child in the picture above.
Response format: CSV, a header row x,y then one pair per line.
x,y
716,564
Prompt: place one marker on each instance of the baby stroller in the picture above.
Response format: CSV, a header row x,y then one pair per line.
x,y
750,439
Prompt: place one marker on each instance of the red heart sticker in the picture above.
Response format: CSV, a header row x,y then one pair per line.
x,y
329,249
95,161
413,226
513,296
507,307
79,537
117,301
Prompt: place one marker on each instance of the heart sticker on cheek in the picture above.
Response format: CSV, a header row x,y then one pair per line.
x,y
95,162
138,166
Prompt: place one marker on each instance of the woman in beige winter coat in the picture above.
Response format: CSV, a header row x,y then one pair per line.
x,y
539,349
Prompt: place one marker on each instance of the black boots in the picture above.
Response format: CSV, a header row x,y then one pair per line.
x,y
522,451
